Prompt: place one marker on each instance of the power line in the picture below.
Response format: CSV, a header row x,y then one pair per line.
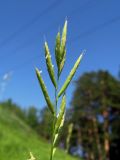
x,y
27,44
96,28
88,3
21,66
50,28
103,25
84,34
30,23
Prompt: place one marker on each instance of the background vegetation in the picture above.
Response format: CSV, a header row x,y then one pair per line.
x,y
17,139
94,112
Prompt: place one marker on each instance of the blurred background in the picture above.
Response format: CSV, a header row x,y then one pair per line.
x,y
93,98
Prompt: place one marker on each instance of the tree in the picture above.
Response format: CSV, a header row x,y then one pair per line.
x,y
14,108
32,117
96,94
44,128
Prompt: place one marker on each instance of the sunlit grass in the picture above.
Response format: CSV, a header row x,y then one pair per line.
x,y
17,140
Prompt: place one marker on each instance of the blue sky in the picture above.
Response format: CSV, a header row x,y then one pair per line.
x,y
93,25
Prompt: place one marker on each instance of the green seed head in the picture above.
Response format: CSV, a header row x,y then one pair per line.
x,y
70,76
44,90
49,64
60,49
60,56
63,40
57,50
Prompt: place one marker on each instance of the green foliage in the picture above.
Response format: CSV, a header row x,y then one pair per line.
x,y
9,105
70,129
96,94
31,117
31,157
46,119
60,55
17,140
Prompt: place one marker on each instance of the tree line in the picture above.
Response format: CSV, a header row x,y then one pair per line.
x,y
94,113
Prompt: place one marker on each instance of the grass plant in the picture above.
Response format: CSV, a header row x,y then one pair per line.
x,y
58,113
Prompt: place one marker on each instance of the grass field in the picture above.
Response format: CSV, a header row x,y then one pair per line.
x,y
17,140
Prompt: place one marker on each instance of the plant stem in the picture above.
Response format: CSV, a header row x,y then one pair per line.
x,y
54,119
56,91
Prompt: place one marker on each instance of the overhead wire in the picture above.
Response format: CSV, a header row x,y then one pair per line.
x,y
48,29
84,34
96,28
30,23
16,67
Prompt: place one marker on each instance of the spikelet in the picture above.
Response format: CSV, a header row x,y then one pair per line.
x,y
63,40
62,63
44,90
57,50
70,76
60,49
60,56
49,64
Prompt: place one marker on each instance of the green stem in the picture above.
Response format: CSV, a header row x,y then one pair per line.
x,y
52,147
56,92
56,100
54,119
